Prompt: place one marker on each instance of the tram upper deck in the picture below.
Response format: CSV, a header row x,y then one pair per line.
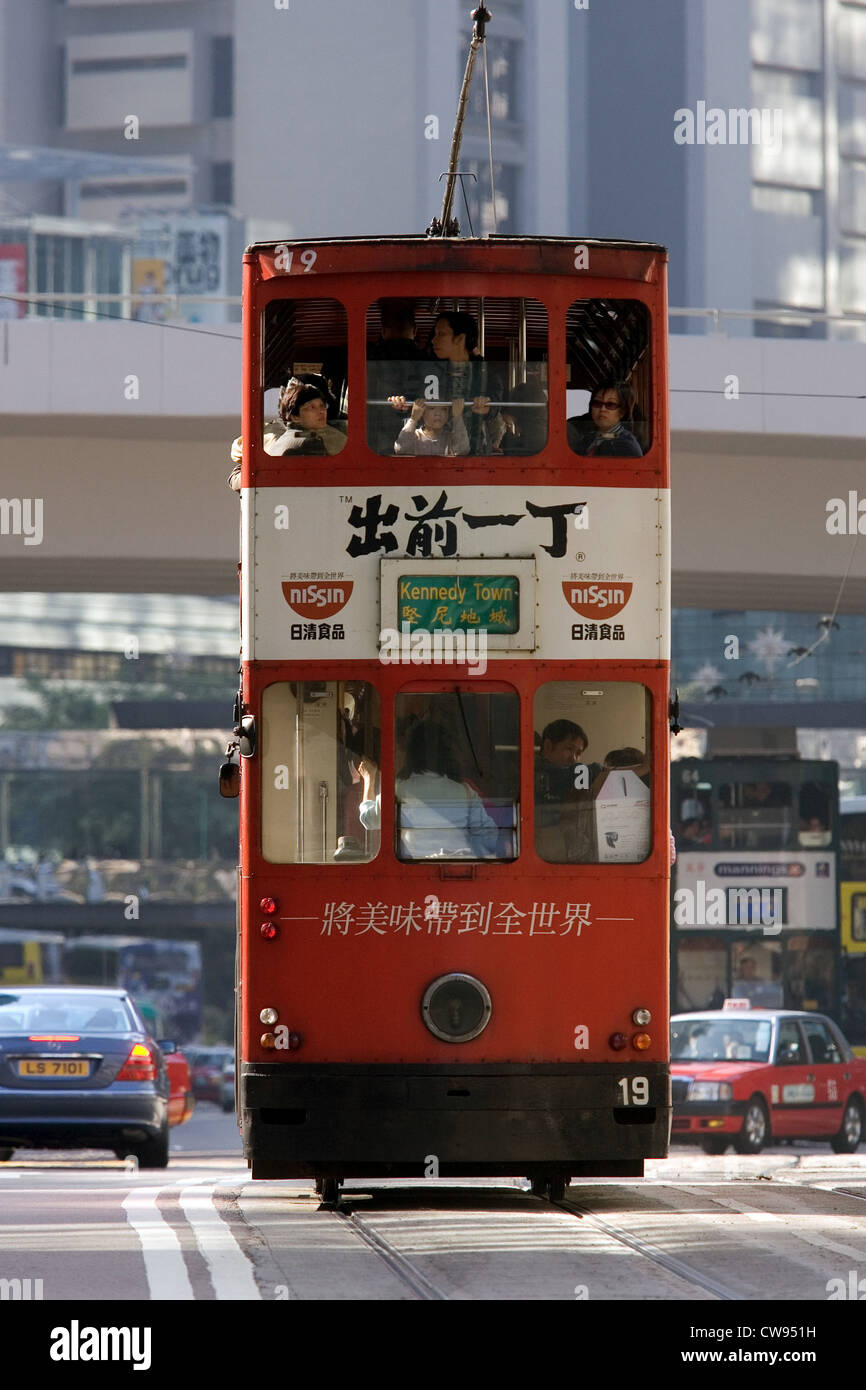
x,y
555,320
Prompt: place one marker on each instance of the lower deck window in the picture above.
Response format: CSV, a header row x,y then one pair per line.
x,y
317,739
593,777
457,784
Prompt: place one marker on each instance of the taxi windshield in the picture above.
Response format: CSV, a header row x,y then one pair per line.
x,y
726,1039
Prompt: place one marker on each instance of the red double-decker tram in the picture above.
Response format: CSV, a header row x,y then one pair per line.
x,y
454,710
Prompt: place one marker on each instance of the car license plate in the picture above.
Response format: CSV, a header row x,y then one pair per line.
x,y
48,1067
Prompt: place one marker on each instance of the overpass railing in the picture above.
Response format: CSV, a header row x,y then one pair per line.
x,y
206,309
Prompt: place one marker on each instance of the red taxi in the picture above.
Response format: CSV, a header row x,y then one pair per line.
x,y
747,1076
181,1101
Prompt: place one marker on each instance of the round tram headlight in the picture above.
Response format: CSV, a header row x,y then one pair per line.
x,y
268,1016
641,1017
456,1008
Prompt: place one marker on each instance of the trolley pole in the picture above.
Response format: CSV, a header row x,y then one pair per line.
x,y
446,224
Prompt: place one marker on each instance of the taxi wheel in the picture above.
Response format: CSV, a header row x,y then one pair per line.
x,y
851,1129
5,1155
756,1128
715,1144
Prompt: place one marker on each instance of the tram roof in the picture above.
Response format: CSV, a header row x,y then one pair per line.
x,y
414,239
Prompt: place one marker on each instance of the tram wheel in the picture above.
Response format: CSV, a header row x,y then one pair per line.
x,y
550,1187
556,1187
329,1190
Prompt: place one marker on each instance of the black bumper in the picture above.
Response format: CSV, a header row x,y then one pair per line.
x,y
414,1121
95,1119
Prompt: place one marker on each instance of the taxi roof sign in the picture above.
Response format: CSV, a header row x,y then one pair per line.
x,y
734,1004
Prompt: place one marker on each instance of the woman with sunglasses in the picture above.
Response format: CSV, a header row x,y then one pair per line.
x,y
603,431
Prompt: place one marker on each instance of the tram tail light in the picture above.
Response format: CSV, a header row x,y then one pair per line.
x,y
269,930
617,1041
139,1065
641,1041
268,905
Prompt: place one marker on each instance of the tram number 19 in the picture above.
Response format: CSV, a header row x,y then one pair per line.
x,y
283,258
635,1090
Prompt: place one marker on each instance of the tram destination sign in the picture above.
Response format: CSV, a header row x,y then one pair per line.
x,y
476,601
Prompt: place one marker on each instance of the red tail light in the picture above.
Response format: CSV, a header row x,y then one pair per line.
x,y
54,1037
139,1065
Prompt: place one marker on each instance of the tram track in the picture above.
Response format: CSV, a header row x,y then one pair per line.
x,y
423,1288
651,1252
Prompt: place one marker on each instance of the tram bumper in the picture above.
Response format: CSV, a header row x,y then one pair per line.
x,y
356,1121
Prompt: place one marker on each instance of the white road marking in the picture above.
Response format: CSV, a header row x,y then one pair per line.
x,y
809,1238
230,1271
164,1265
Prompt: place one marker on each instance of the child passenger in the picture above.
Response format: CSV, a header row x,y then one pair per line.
x,y
434,428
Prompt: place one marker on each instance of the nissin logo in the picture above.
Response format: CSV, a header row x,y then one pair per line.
x,y
317,600
596,600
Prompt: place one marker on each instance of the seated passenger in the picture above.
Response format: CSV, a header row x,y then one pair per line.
x,y
563,823
439,815
434,429
603,431
274,430
304,412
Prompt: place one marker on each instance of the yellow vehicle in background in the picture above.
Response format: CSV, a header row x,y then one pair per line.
x,y
852,903
30,957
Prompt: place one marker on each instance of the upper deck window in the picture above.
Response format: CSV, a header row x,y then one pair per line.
x,y
456,377
758,808
609,381
304,397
